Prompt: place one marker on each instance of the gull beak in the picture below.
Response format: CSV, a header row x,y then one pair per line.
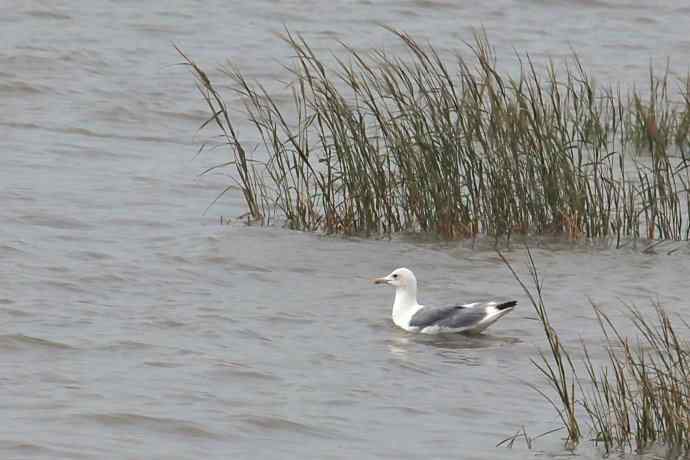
x,y
380,280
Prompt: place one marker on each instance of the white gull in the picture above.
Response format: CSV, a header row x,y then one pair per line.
x,y
409,315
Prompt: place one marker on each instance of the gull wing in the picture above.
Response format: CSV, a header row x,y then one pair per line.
x,y
455,317
458,317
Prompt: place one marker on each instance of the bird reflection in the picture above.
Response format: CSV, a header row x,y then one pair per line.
x,y
449,347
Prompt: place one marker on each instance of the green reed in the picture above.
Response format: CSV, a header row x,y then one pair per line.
x,y
373,143
557,366
643,395
638,398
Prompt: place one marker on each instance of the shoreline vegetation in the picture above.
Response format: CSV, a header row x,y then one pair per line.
x,y
375,144
638,399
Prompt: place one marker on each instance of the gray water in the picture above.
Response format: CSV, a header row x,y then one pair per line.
x,y
135,326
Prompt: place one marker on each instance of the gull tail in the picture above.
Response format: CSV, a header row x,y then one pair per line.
x,y
506,305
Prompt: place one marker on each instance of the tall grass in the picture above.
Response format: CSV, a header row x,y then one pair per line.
x,y
639,398
378,143
557,366
643,395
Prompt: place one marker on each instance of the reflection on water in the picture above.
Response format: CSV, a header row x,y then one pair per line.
x,y
402,342
460,342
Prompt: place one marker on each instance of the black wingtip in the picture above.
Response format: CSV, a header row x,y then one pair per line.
x,y
505,305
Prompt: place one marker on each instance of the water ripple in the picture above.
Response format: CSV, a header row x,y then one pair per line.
x,y
242,372
126,345
35,450
15,88
157,424
47,14
61,222
275,423
16,342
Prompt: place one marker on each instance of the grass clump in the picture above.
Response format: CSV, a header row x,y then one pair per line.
x,y
639,398
377,144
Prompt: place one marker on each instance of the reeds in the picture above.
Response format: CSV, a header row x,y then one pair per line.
x,y
376,144
643,395
639,398
557,366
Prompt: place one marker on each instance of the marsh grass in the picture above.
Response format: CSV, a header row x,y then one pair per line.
x,y
373,144
522,434
639,397
556,365
643,395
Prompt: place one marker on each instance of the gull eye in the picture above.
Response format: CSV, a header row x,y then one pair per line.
x,y
395,276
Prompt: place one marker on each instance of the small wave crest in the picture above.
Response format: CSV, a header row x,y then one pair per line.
x,y
16,342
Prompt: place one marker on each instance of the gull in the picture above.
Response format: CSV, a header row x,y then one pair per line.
x,y
409,315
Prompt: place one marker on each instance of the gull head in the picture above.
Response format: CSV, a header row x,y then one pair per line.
x,y
399,278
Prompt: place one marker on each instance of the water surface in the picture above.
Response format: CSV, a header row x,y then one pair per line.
x,y
135,326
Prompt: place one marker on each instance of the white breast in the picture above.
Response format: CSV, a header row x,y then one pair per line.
x,y
403,315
